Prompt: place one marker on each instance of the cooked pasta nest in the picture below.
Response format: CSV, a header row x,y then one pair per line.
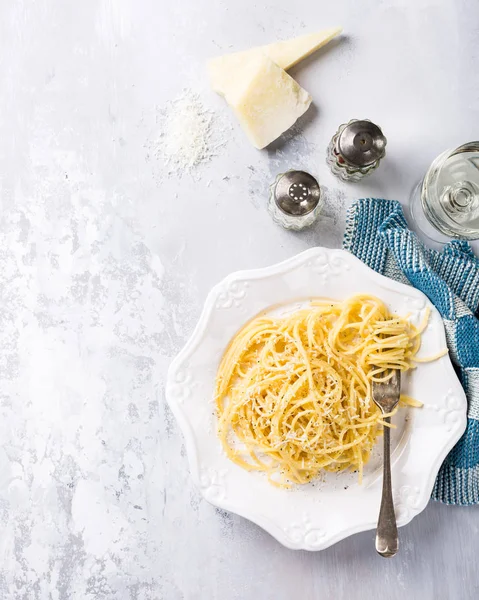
x,y
293,393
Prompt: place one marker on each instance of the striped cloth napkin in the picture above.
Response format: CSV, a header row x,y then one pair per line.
x,y
377,233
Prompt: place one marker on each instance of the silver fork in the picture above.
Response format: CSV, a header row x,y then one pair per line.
x,y
386,396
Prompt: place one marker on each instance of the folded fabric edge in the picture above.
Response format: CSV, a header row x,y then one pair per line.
x,y
457,486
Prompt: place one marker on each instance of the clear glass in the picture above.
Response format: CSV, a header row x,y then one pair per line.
x,y
340,166
446,203
294,222
286,219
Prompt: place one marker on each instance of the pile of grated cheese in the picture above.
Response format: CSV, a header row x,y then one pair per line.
x,y
186,135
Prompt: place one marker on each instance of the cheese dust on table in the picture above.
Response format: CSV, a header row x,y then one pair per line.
x,y
188,136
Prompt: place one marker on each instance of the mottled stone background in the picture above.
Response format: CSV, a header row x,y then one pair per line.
x,y
105,261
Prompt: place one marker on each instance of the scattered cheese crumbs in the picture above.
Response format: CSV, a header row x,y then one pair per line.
x,y
187,136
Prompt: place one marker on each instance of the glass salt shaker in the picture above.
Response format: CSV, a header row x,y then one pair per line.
x,y
356,150
295,200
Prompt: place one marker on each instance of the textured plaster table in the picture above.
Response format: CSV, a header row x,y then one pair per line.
x,y
105,261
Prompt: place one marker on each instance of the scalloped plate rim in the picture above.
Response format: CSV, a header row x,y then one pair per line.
x,y
200,329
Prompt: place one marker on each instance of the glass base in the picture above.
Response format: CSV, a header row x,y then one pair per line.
x,y
445,205
421,221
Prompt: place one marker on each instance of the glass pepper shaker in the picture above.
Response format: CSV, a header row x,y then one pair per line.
x,y
356,150
295,200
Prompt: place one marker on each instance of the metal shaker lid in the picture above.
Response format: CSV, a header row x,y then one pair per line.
x,y
296,193
362,143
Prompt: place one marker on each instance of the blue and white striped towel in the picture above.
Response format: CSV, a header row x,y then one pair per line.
x,y
378,234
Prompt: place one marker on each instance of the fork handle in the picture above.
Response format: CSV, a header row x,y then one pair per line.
x,y
387,533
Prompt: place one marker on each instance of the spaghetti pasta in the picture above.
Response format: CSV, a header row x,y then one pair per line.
x,y
293,393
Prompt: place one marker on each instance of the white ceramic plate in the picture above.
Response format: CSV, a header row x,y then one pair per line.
x,y
314,516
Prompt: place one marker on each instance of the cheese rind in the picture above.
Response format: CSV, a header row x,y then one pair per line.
x,y
268,101
224,70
